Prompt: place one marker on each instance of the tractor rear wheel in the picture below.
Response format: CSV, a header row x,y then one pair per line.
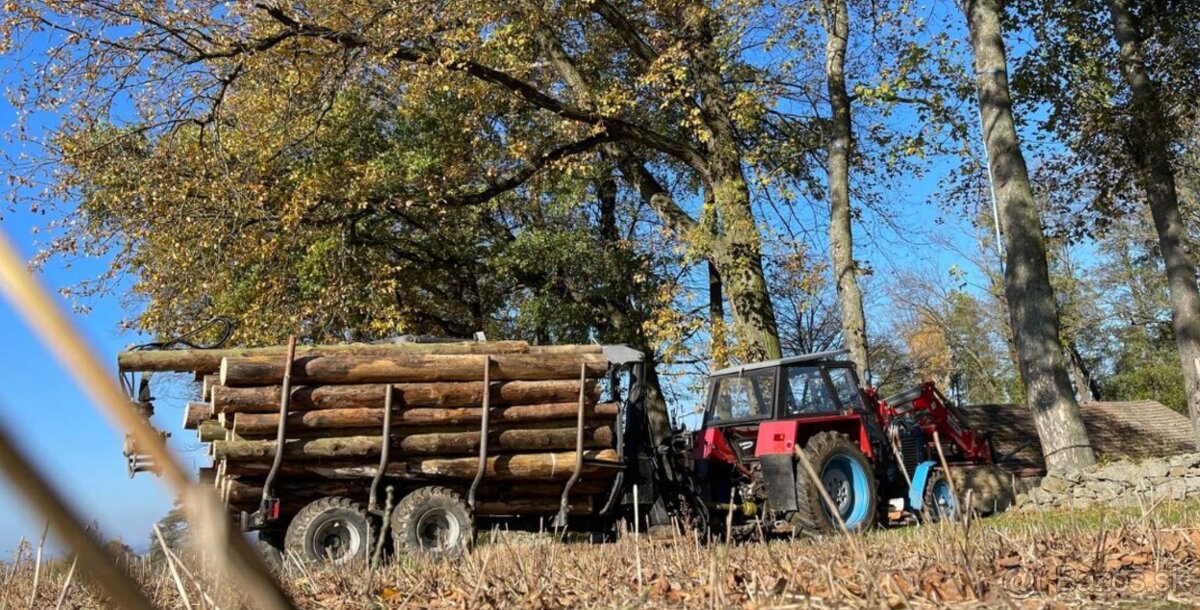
x,y
330,530
847,477
433,521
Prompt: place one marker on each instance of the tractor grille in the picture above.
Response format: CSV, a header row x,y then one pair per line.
x,y
910,448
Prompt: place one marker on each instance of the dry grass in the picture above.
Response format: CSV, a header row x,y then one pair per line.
x,y
1133,557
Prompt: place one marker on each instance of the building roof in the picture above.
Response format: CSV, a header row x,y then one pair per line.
x,y
1118,430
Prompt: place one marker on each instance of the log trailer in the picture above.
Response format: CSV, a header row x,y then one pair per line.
x,y
322,449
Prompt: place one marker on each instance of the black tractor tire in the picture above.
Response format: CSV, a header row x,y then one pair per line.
x,y
937,500
841,465
270,548
433,522
333,531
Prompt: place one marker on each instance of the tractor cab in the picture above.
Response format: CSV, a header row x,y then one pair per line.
x,y
773,428
809,393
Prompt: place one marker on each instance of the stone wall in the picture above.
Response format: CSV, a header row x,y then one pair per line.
x,y
1122,483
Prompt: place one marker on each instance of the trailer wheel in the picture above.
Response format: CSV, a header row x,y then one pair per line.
x,y
330,530
849,480
938,501
270,548
433,521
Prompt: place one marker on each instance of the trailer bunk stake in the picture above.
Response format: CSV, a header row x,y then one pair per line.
x,y
373,502
483,430
561,519
284,402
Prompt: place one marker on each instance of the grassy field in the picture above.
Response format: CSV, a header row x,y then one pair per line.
x,y
1138,557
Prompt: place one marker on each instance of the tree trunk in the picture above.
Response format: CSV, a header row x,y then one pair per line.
x,y
738,259
737,254
840,141
258,423
1149,145
265,399
718,341
1027,287
265,370
1085,386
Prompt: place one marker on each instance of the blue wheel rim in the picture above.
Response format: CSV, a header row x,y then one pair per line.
x,y
846,482
946,504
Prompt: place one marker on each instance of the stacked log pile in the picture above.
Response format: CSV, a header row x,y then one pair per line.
x,y
334,427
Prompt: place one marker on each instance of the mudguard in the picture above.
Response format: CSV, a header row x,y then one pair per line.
x,y
916,491
774,448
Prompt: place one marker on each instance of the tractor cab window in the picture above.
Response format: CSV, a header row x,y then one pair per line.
x,y
807,393
846,387
747,397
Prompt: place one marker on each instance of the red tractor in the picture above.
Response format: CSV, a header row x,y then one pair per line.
x,y
867,453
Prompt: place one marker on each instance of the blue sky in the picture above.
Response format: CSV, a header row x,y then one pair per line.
x,y
55,423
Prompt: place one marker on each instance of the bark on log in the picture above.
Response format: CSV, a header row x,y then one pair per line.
x,y
255,371
307,435
509,491
210,431
194,413
437,443
241,492
517,466
400,431
566,349
258,423
265,399
598,464
209,360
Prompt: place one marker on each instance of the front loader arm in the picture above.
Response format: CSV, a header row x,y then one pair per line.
x,y
935,414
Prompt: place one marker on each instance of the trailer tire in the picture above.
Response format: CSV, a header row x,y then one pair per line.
x,y
847,476
331,530
270,548
434,522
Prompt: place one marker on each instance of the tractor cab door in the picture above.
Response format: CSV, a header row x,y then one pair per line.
x,y
846,387
807,393
844,381
815,392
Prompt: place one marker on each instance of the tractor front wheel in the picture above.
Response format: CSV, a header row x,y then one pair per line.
x,y
938,502
847,478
